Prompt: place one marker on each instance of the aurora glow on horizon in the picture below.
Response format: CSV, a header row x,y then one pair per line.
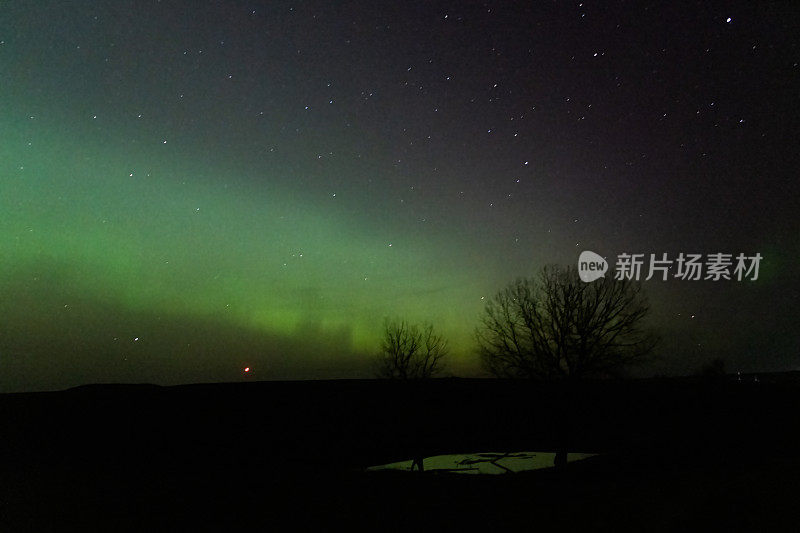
x,y
186,192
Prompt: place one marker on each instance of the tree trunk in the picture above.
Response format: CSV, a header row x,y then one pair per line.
x,y
560,460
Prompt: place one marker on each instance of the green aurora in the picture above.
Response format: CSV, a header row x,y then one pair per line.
x,y
87,222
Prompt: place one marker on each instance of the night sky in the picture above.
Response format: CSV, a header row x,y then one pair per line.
x,y
191,188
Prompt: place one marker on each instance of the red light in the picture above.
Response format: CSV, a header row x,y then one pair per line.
x,y
247,369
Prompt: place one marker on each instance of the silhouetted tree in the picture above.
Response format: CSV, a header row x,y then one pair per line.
x,y
409,351
557,326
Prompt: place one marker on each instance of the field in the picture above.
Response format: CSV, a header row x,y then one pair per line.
x,y
672,454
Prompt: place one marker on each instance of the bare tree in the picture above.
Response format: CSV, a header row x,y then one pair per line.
x,y
409,351
557,326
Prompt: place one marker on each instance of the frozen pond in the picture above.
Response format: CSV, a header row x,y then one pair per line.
x,y
486,462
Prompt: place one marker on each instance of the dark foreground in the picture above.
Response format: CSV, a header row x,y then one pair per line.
x,y
676,454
